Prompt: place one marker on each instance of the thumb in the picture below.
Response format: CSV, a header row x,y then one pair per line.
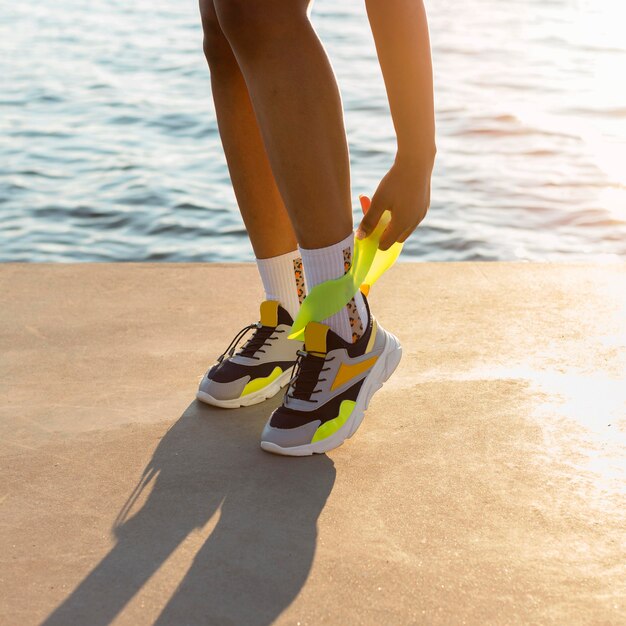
x,y
370,219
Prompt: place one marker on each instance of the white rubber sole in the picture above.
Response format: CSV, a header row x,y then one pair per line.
x,y
381,372
252,398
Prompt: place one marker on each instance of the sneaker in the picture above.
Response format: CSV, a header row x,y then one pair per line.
x,y
259,369
333,383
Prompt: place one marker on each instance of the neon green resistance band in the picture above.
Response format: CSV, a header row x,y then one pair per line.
x,y
369,264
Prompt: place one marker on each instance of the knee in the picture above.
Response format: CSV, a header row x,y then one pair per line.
x,y
217,52
251,24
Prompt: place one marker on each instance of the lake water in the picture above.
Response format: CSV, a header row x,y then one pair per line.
x,y
109,147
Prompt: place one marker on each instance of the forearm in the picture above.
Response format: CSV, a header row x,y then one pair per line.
x,y
400,30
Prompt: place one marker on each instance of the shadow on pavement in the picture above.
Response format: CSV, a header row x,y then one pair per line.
x,y
256,560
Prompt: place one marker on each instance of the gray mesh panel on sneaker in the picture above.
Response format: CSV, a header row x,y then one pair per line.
x,y
224,391
290,437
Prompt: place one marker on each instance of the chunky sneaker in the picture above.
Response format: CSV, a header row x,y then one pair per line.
x,y
259,369
331,389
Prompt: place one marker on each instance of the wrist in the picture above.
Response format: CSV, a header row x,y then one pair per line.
x,y
419,156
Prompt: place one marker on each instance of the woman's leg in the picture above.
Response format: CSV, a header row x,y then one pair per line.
x,y
297,103
259,200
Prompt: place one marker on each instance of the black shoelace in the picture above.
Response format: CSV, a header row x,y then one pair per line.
x,y
309,365
262,337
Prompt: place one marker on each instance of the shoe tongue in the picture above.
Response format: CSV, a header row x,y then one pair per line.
x,y
269,313
315,337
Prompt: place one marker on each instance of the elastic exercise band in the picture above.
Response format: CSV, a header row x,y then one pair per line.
x,y
368,265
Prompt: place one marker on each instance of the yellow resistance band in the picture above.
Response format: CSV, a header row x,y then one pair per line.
x,y
368,265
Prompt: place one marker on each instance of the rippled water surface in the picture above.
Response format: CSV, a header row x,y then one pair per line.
x,y
109,147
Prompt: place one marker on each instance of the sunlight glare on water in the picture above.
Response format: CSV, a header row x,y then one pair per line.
x,y
109,147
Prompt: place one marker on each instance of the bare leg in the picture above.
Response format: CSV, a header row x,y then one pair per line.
x,y
298,107
260,202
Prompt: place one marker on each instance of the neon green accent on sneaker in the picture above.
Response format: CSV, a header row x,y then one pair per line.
x,y
369,264
332,426
259,383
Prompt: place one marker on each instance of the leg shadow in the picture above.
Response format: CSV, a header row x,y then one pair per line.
x,y
257,558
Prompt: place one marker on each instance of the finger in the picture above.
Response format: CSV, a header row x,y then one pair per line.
x,y
370,219
390,236
406,234
365,203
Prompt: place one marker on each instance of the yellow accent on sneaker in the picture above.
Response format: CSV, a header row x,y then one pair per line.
x,y
259,383
347,372
269,313
333,425
315,337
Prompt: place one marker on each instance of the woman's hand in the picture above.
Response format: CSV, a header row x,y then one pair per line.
x,y
405,192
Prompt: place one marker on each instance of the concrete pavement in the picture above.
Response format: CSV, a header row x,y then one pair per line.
x,y
485,486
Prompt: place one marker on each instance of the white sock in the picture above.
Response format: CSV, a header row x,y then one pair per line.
x,y
324,264
283,280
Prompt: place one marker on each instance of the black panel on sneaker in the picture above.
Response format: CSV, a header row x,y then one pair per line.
x,y
284,417
284,317
226,371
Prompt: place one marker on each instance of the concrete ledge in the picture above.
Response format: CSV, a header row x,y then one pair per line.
x,y
486,484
